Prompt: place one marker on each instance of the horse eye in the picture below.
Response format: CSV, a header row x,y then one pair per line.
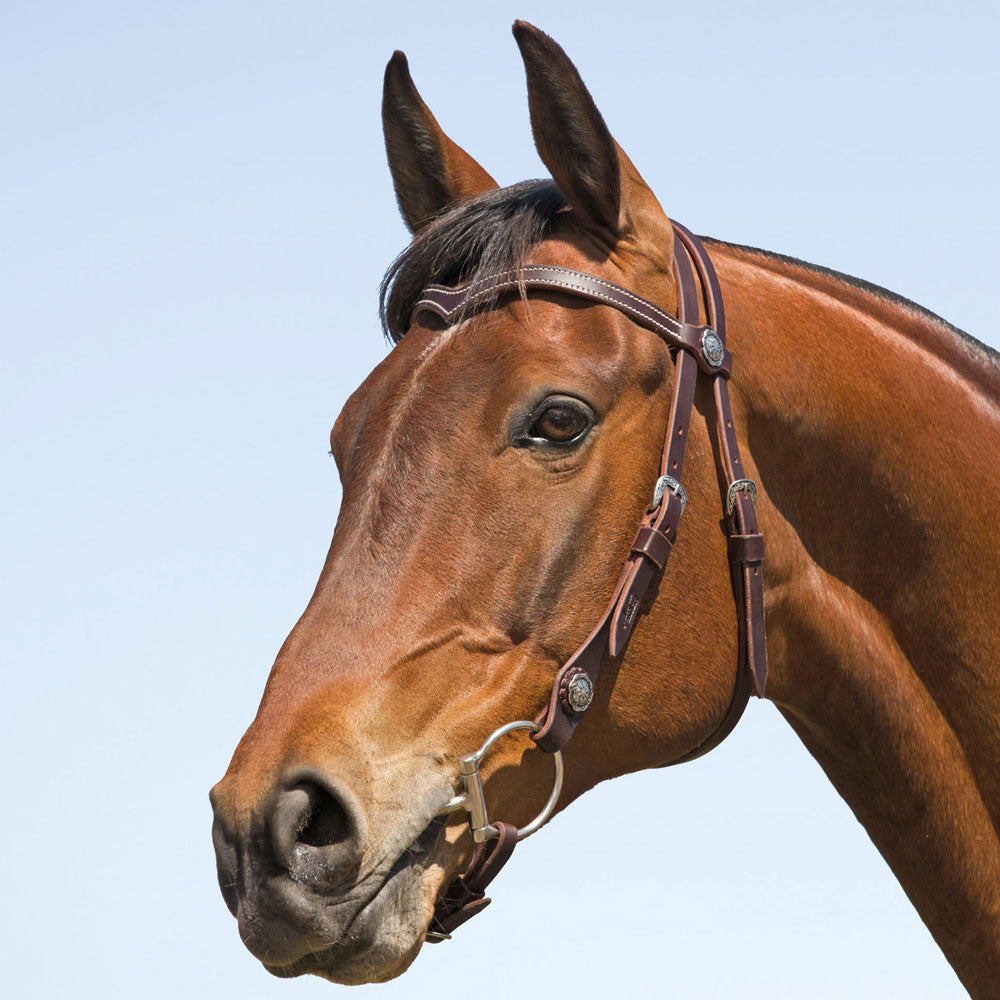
x,y
560,422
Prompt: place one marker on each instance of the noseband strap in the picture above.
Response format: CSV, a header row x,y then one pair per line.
x,y
700,348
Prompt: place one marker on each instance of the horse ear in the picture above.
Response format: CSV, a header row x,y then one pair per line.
x,y
429,171
589,167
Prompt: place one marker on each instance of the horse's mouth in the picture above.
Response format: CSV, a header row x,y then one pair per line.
x,y
384,934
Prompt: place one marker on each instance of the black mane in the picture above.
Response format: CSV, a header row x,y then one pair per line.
x,y
491,233
495,232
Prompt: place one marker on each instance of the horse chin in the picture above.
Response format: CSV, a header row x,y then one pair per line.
x,y
382,938
380,943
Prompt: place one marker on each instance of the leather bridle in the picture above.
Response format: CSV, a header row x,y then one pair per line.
x,y
699,348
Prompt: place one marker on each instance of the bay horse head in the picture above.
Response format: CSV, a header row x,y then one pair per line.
x,y
547,378
494,468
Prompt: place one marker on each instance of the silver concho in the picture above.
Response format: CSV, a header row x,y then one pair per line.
x,y
580,692
712,347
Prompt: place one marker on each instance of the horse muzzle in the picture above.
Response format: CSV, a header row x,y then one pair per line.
x,y
294,875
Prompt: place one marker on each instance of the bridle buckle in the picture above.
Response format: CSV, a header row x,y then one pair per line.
x,y
665,483
746,486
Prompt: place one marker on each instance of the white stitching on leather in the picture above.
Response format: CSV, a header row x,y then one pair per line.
x,y
470,292
608,284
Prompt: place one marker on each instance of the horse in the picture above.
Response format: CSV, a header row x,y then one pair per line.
x,y
495,467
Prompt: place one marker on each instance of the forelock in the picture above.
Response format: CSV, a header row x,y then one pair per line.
x,y
485,235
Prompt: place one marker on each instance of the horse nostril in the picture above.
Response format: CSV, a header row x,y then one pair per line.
x,y
327,822
315,831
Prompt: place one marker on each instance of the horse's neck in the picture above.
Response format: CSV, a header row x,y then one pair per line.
x,y
875,432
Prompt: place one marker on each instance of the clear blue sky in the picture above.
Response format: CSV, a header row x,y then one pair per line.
x,y
195,213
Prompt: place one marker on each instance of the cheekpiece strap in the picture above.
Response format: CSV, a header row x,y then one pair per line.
x,y
701,348
658,528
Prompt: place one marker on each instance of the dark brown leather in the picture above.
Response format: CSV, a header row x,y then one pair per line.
x,y
671,464
450,302
743,519
746,548
616,625
558,720
657,530
747,587
466,895
652,544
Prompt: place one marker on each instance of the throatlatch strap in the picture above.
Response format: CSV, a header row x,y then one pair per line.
x,y
746,544
742,494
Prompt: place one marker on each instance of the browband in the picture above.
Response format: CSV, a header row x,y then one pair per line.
x,y
700,347
450,303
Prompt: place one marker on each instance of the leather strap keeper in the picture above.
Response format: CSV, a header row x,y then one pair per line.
x,y
746,548
652,544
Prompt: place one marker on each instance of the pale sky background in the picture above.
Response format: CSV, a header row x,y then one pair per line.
x,y
194,216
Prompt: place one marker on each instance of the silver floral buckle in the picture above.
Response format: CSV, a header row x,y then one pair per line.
x,y
665,483
746,486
